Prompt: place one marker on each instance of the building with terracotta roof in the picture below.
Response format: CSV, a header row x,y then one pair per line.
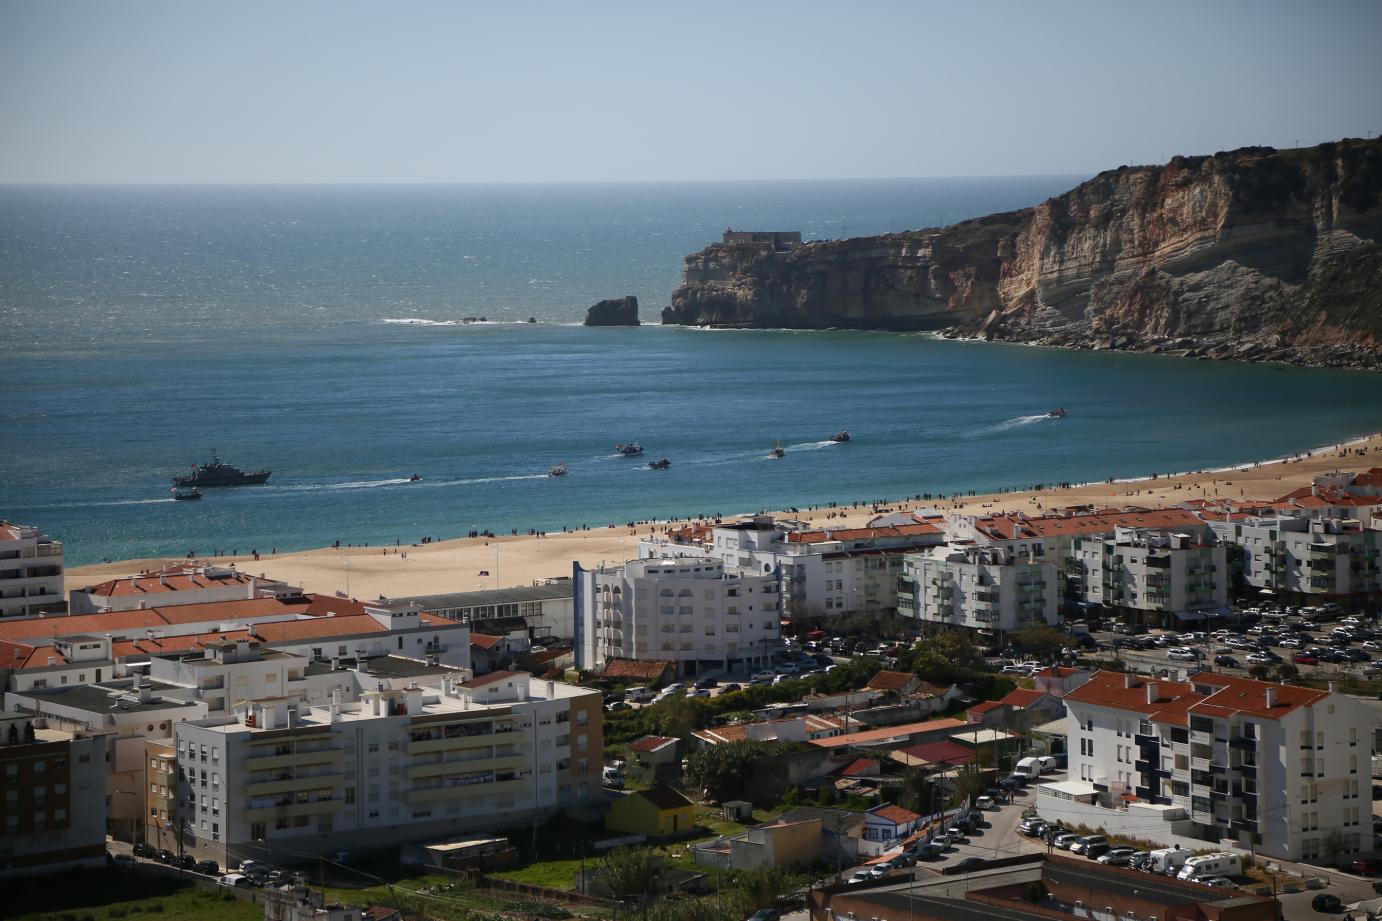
x,y
896,683
892,736
188,582
30,571
396,765
989,590
828,571
1059,680
694,613
1262,766
651,759
1164,576
886,826
1324,558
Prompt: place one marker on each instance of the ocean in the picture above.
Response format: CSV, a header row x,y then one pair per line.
x,y
315,331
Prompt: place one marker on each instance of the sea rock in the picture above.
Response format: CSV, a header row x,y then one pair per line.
x,y
621,311
1235,255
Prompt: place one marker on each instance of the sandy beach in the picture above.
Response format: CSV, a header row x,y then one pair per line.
x,y
471,564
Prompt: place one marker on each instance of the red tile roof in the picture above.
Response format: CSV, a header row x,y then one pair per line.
x,y
1217,695
986,706
889,732
1017,526
942,752
1022,697
895,814
1057,671
485,640
176,578
650,743
491,678
884,680
132,623
858,767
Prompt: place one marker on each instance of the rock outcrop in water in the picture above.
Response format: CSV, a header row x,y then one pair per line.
x,y
621,311
1255,254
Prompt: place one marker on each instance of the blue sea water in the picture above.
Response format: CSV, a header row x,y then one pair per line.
x,y
311,330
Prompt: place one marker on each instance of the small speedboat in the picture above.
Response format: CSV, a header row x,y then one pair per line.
x,y
558,470
632,449
840,437
414,478
777,450
660,464
1057,413
184,494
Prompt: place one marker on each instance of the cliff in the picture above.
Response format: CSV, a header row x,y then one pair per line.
x,y
1254,253
621,311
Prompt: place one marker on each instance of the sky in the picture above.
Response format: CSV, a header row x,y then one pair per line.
x,y
515,91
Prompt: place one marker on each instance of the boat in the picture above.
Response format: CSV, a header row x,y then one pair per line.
x,y
219,473
632,449
777,449
558,470
840,437
414,478
1057,413
660,464
184,494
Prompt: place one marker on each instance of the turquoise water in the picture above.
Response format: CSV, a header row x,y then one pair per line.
x,y
145,326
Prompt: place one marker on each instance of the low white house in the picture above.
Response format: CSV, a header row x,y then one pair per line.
x,y
885,827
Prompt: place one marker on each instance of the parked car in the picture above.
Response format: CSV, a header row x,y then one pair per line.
x,y
123,860
1096,850
1226,661
928,851
970,863
879,871
942,841
731,687
184,861
1305,658
1118,856
1326,902
235,881
763,677
1084,844
209,867
1066,841
145,849
1138,859
860,876
1215,882
163,855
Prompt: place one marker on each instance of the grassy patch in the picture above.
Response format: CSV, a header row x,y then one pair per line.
x,y
121,895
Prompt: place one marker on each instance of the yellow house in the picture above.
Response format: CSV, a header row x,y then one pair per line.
x,y
657,812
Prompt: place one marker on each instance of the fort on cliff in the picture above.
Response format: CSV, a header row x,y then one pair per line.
x,y
1254,253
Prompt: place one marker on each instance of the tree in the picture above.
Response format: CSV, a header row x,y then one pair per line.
x,y
1331,844
722,771
947,657
1259,671
1041,641
966,783
629,872
918,792
1287,671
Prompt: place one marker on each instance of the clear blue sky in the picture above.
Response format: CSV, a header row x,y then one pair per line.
x,y
311,91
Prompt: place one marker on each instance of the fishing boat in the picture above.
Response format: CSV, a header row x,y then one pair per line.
x,y
1057,413
185,493
777,449
558,470
660,464
218,473
631,449
840,437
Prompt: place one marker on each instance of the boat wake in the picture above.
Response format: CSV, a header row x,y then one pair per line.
x,y
489,479
1013,423
358,484
423,321
812,445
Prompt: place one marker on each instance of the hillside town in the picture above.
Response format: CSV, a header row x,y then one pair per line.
x,y
1127,711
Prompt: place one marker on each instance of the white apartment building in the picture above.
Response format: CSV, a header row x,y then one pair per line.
x,y
1261,766
273,781
30,571
1330,557
688,611
546,609
827,571
1170,573
988,589
181,583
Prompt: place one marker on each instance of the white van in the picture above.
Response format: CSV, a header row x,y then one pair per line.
x,y
613,777
1220,864
1048,764
1028,767
1167,860
235,881
640,695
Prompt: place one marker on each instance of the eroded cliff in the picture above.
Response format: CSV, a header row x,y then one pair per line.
x,y
1253,253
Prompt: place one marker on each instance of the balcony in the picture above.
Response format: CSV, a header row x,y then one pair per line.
x,y
269,762
293,784
468,791
1200,737
289,810
1248,772
487,762
1181,775
1243,744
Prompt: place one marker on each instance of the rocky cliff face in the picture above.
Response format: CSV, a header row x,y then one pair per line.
x,y
1254,253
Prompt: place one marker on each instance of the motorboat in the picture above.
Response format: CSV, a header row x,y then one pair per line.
x,y
660,464
631,449
558,470
840,437
777,449
185,493
1057,413
414,478
219,473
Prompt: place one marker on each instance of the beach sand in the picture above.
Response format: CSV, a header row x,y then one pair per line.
x,y
456,565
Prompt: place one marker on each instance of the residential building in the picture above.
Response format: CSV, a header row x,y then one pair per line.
x,y
824,571
181,583
840,831
986,589
1270,767
160,794
657,812
652,759
692,612
52,805
1322,557
885,827
1167,576
777,844
1059,680
30,571
793,729
401,764
547,610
